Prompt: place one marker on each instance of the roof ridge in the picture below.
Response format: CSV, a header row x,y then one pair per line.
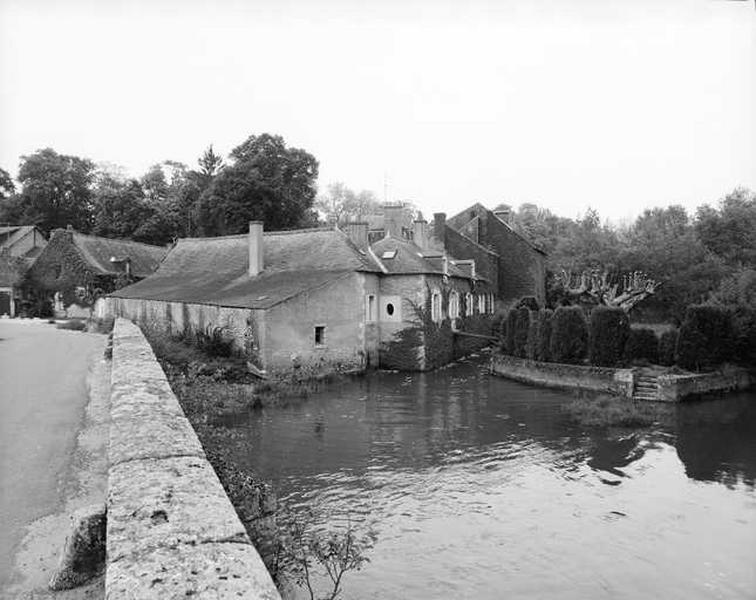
x,y
127,241
265,233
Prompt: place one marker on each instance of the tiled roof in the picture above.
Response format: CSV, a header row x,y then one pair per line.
x,y
409,259
215,270
11,234
98,251
457,219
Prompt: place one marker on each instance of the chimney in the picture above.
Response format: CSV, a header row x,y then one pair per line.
x,y
255,243
420,232
392,220
439,229
358,233
503,214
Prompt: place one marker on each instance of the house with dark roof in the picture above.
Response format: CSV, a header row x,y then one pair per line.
x,y
19,247
74,269
521,265
320,298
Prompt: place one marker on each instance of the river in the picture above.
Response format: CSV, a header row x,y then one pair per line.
x,y
479,487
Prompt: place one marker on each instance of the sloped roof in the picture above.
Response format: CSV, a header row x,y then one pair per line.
x,y
215,270
408,259
9,235
469,222
98,251
12,269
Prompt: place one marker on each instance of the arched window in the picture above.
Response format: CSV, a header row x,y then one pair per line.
x,y
469,304
481,304
453,305
436,306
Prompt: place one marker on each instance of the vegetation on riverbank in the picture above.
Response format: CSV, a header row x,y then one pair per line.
x,y
610,411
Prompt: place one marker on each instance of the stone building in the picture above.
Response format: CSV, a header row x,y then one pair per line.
x,y
521,265
322,299
19,247
74,269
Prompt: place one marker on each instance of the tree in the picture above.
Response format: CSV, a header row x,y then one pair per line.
x,y
210,163
7,187
340,204
598,288
730,231
56,190
265,181
119,208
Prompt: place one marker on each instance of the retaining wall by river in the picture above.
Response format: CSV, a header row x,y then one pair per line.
x,y
558,375
171,530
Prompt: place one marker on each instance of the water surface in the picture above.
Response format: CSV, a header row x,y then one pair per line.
x,y
480,487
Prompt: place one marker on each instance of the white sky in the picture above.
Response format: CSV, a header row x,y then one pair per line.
x,y
618,105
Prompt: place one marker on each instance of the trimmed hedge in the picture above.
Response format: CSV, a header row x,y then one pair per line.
x,y
521,330
642,344
569,335
532,345
706,338
528,302
667,344
508,327
609,330
543,341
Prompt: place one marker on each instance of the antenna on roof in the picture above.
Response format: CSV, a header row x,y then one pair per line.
x,y
385,187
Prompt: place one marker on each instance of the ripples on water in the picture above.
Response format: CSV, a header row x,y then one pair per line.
x,y
479,487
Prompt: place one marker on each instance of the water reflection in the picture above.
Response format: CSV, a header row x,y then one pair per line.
x,y
480,487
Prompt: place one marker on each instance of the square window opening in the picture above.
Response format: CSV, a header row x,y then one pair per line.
x,y
320,332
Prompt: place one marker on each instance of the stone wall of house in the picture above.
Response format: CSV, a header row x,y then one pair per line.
x,y
486,261
522,269
418,343
240,325
339,307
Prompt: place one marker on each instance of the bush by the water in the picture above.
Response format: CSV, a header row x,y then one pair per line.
x,y
569,335
521,331
609,330
706,338
642,344
667,344
543,335
608,411
528,302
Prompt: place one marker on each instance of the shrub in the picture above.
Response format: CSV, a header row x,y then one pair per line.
x,y
543,352
528,302
705,339
609,330
667,343
642,344
73,325
508,326
531,348
569,335
213,342
521,330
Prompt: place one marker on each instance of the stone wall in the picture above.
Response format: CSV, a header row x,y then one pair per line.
x,y
171,530
598,379
673,388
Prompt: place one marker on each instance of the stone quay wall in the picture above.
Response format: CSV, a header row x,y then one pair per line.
x,y
557,375
171,530
673,388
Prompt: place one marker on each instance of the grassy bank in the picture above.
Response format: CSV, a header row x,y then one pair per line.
x,y
610,411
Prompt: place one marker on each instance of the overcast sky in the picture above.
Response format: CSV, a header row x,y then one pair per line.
x,y
618,105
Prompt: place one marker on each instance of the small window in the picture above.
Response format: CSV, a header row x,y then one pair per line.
x,y
390,309
453,305
469,304
320,335
388,254
371,308
436,306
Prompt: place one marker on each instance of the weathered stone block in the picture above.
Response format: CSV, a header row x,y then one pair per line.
x,y
214,570
151,436
166,502
84,553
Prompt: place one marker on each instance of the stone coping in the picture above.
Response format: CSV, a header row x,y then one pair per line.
x,y
171,530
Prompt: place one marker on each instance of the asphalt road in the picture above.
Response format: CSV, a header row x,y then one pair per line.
x,y
43,394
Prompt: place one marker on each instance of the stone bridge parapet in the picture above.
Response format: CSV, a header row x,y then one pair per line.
x,y
171,530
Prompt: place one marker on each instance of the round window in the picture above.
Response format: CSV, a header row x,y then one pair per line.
x,y
390,309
